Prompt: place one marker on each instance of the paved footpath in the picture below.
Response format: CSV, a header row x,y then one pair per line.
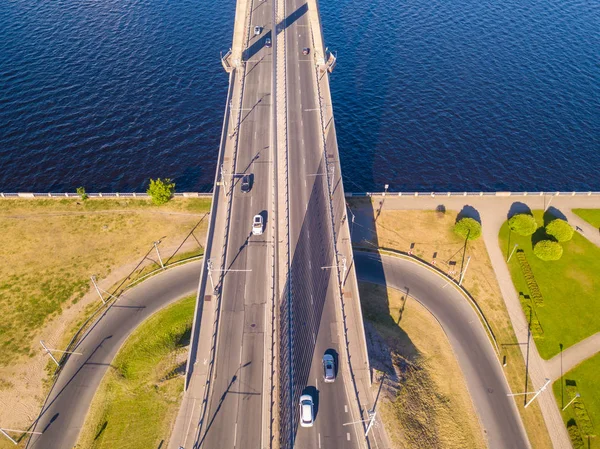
x,y
493,211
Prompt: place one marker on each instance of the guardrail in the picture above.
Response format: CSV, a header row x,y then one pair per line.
x,y
434,194
97,195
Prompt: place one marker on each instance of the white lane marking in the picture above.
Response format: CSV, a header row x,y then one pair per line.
x,y
309,265
319,441
348,436
235,435
316,383
304,182
241,349
311,302
346,408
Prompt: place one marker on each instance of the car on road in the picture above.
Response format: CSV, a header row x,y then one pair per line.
x,y
257,30
306,411
245,185
328,368
257,225
268,43
305,50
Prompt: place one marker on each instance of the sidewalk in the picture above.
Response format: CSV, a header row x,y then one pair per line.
x,y
493,212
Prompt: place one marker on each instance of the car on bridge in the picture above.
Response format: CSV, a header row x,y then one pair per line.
x,y
328,368
305,50
257,30
268,43
257,225
306,411
246,183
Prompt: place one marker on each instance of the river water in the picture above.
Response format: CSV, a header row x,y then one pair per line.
x,y
428,95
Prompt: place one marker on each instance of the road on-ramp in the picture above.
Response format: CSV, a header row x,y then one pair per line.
x,y
485,380
66,407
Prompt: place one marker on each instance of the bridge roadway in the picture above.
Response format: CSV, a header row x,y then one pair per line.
x,y
314,289
234,415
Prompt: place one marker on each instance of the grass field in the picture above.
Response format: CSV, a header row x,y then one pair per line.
x,y
431,233
50,249
569,287
137,401
583,379
592,216
432,408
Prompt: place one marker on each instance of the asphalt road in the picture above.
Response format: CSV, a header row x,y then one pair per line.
x,y
485,380
65,410
234,414
313,288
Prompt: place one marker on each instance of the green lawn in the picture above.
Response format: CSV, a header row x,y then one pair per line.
x,y
592,216
585,411
138,399
570,288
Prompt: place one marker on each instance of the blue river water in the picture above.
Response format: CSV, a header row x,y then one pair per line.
x,y
428,95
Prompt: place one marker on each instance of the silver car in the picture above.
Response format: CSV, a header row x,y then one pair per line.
x,y
306,411
328,368
257,30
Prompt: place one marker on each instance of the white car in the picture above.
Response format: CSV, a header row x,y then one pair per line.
x,y
257,225
257,30
306,411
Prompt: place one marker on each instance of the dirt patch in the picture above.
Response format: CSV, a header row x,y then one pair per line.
x,y
428,235
426,402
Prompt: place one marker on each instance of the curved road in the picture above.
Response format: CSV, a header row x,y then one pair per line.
x,y
65,410
497,412
64,413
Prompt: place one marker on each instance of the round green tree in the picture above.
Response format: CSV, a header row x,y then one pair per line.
x,y
560,230
161,190
523,224
548,250
468,228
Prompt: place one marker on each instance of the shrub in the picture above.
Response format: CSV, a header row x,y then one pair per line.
x,y
468,228
161,190
523,224
81,192
548,250
532,285
560,230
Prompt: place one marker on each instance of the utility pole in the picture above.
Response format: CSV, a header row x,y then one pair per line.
x,y
535,393
223,180
512,252
462,275
385,189
93,278
352,225
209,266
3,432
158,254
548,205
48,351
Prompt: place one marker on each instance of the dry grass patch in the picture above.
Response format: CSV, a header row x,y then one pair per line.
x,y
50,248
431,233
432,407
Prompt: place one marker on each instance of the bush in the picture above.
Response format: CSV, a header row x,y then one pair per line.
x,y
81,192
161,190
468,228
523,224
560,230
548,250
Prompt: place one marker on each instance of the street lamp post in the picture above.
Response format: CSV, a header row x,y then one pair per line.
x,y
158,254
535,393
49,352
462,275
571,401
512,252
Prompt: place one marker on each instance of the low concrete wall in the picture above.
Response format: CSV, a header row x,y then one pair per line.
x,y
314,17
